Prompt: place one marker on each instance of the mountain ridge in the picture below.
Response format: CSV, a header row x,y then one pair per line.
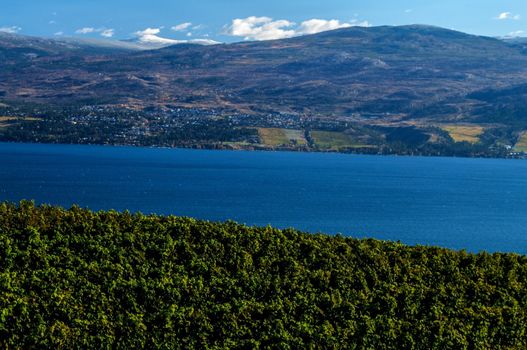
x,y
415,76
364,56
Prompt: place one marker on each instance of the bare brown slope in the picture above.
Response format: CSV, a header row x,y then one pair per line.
x,y
413,71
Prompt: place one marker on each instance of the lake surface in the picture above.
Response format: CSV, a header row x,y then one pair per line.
x,y
473,204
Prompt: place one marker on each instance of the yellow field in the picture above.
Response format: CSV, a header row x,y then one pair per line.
x,y
467,133
335,140
5,120
279,137
521,145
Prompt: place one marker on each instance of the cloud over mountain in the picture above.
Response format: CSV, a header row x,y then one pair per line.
x,y
151,36
104,32
10,30
265,28
314,26
261,28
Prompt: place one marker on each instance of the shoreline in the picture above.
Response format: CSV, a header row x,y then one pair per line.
x,y
260,148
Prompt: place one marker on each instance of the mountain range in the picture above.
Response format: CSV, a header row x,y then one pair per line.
x,y
388,75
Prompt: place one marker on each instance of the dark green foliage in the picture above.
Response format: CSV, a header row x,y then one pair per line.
x,y
78,279
411,136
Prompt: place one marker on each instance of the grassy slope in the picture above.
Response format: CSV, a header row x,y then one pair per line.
x,y
277,137
334,140
75,278
460,133
521,145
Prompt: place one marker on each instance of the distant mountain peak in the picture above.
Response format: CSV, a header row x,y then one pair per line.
x,y
58,44
158,44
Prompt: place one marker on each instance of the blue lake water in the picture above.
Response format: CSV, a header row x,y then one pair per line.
x,y
473,204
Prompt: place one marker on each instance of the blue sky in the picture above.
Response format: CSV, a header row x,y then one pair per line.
x,y
256,20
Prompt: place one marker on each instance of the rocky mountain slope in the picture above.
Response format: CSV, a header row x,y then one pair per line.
x,y
417,76
410,70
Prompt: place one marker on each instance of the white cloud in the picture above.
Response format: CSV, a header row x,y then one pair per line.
x,y
181,27
10,30
150,36
261,28
203,42
59,34
52,22
265,28
105,32
508,16
408,11
108,33
360,24
314,26
85,30
515,34
148,31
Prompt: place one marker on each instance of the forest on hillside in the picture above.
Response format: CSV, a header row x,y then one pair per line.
x,y
74,278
